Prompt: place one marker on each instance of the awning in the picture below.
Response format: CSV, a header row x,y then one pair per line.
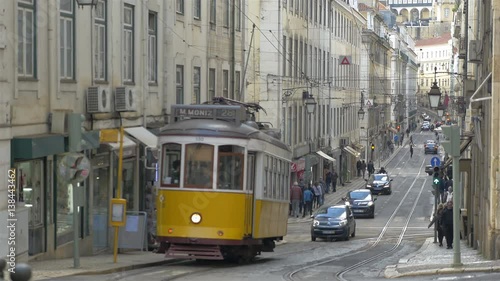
x,y
127,143
36,146
144,136
326,156
351,151
463,146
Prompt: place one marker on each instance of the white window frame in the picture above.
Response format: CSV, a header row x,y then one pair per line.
x,y
100,41
197,84
26,44
128,45
179,7
152,47
212,78
67,41
237,85
197,9
179,84
225,83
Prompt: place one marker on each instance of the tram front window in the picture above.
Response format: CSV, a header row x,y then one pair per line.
x,y
230,169
199,163
171,170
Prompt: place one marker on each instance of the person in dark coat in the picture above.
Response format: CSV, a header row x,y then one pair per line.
x,y
335,176
363,168
371,168
411,150
447,224
358,167
328,181
436,219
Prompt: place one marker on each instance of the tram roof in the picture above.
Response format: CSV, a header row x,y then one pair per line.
x,y
218,128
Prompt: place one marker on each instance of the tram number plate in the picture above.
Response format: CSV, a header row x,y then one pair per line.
x,y
329,232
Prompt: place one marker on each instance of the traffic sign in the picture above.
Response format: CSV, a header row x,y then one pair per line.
x,y
435,162
436,181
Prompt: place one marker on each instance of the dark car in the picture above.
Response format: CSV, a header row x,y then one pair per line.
x,y
429,169
379,184
333,222
362,203
431,147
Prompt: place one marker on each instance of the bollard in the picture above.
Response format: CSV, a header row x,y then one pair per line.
x,y
3,264
22,273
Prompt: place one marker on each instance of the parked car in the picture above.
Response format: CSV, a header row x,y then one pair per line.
x,y
429,170
431,147
333,222
362,203
379,184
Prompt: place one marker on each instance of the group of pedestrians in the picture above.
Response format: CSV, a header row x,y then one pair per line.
x,y
362,167
443,220
304,198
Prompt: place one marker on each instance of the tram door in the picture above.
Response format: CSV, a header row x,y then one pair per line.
x,y
249,193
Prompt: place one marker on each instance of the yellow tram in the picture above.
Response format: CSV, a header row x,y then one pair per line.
x,y
224,185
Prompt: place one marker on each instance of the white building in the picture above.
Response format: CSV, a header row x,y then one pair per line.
x,y
124,62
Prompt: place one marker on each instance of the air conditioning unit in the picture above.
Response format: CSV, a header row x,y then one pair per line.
x,y
473,51
125,99
98,100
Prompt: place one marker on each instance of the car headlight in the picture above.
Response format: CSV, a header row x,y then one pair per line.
x,y
370,203
196,218
368,185
386,186
343,222
315,222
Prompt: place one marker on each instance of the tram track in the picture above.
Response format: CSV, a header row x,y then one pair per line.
x,y
383,236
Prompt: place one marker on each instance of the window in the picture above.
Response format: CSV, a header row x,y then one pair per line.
x,y
179,81
152,48
26,39
66,39
199,165
213,9
180,7
171,165
237,15
197,9
100,41
226,13
196,84
128,43
225,83
230,167
237,85
211,83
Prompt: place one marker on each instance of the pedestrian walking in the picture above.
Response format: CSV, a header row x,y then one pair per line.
x,y
363,168
295,198
402,139
396,139
371,168
317,194
447,224
308,199
358,167
411,150
436,219
335,176
328,181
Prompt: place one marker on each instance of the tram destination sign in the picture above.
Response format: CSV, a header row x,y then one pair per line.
x,y
231,113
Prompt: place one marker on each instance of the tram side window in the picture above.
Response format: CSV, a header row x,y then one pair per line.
x,y
251,172
171,170
231,167
199,166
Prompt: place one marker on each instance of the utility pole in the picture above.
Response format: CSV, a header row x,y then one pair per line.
x,y
452,147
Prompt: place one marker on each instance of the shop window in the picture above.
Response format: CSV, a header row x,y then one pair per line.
x,y
230,168
199,166
171,165
128,173
30,193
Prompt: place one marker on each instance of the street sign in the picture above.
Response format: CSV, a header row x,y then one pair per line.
x,y
435,162
436,181
345,60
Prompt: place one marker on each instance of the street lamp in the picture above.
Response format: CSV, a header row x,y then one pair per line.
x,y
361,114
440,110
91,3
310,104
434,93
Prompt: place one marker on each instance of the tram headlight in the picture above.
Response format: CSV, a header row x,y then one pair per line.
x,y
196,218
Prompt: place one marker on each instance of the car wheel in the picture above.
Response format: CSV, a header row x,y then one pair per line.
x,y
313,238
372,216
346,238
389,192
353,232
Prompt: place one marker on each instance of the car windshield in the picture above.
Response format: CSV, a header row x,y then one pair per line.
x,y
379,177
332,212
360,195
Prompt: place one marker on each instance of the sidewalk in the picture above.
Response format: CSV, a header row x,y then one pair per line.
x,y
434,260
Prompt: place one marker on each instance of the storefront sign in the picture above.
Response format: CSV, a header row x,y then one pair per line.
x,y
299,165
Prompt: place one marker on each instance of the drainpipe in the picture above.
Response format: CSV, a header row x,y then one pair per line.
x,y
233,46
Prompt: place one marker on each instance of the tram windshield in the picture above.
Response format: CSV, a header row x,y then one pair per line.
x,y
199,165
230,169
171,170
